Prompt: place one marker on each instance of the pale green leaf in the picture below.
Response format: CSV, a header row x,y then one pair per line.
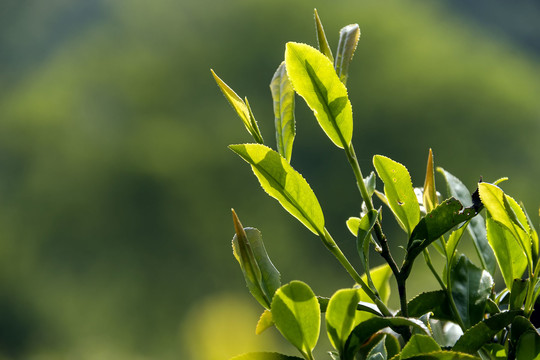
x,y
265,322
453,241
380,277
241,109
363,240
399,191
471,288
509,254
353,224
321,38
430,199
340,316
419,344
283,183
265,356
348,39
283,96
297,316
477,227
314,79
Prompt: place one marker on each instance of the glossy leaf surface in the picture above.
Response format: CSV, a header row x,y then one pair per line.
x,y
283,183
314,79
510,256
471,288
340,316
419,344
241,109
283,96
399,191
483,332
348,39
477,227
297,316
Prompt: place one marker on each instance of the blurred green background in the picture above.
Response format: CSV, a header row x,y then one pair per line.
x,y
115,180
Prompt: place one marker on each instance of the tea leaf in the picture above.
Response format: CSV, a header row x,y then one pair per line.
x,y
518,293
283,96
444,355
321,38
418,345
297,316
348,39
481,333
340,316
399,191
265,356
265,322
471,288
314,79
430,193
477,227
431,301
366,329
283,183
510,256
528,347
378,352
241,109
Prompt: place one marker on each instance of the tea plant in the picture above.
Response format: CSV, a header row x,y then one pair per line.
x,y
465,319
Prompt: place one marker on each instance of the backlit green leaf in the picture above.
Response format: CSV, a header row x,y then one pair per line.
x,y
297,316
321,38
483,332
314,79
348,39
430,193
453,241
399,191
506,211
283,96
518,293
477,227
283,183
510,256
241,108
471,288
340,317
265,322
265,356
366,329
419,344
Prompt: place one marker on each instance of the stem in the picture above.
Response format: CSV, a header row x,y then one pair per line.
x,y
336,251
427,258
351,156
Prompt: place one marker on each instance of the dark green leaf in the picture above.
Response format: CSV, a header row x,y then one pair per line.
x,y
484,331
520,325
296,314
528,347
518,293
265,356
378,352
432,301
321,38
283,96
477,227
348,39
471,288
444,355
418,345
314,78
366,329
399,191
283,183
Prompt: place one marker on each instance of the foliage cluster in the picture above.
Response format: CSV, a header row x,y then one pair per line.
x,y
466,319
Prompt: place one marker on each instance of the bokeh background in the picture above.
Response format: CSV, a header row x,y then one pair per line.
x,y
115,180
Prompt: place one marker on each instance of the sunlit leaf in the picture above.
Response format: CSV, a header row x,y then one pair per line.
x,y
265,356
297,316
366,329
399,191
348,39
453,241
418,345
283,183
321,38
471,288
265,322
483,332
510,256
340,317
241,109
430,193
476,227
444,355
283,96
314,79
262,278
506,211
